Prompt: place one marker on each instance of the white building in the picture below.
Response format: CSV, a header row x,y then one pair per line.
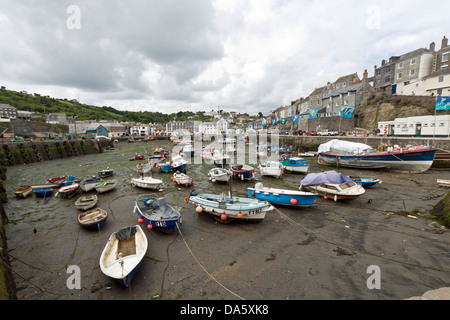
x,y
141,130
423,126
438,83
212,128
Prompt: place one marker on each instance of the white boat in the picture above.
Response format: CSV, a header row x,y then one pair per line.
x,y
219,174
307,154
271,168
86,202
178,163
220,157
90,183
443,183
225,208
106,185
332,185
123,254
146,182
182,179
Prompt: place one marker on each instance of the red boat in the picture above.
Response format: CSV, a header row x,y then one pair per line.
x,y
54,180
139,157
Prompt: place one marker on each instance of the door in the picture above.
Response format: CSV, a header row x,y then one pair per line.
x,y
418,129
394,89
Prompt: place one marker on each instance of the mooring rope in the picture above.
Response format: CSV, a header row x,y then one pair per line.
x,y
201,266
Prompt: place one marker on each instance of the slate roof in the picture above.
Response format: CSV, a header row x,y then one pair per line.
x,y
343,90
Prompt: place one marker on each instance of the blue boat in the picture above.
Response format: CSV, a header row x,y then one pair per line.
x,y
68,181
93,219
293,164
43,192
341,153
286,197
165,167
156,213
178,163
242,171
365,182
124,254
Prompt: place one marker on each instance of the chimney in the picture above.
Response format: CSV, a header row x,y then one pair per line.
x,y
365,74
444,42
383,62
432,47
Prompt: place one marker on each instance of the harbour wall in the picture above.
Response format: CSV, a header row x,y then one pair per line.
x,y
29,152
24,153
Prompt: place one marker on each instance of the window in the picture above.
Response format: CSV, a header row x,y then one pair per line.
x,y
399,75
441,79
400,65
413,61
445,56
412,72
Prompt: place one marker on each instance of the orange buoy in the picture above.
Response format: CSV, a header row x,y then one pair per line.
x,y
140,220
293,201
223,217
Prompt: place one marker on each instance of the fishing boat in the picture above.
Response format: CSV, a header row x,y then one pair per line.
x,y
227,208
43,192
271,168
123,254
146,181
178,163
156,213
106,173
90,183
23,191
332,185
219,175
106,185
68,191
165,167
86,202
342,153
366,182
243,171
286,197
295,165
220,157
443,182
93,219
188,150
56,179
182,179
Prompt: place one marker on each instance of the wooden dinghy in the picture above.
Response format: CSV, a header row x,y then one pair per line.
x,y
93,219
23,191
123,254
86,202
443,183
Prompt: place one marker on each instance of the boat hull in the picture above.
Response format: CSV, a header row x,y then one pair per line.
x,y
416,161
329,194
143,183
123,267
275,196
23,192
250,211
43,192
106,186
93,219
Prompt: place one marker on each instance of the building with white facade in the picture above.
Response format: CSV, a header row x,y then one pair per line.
x,y
421,126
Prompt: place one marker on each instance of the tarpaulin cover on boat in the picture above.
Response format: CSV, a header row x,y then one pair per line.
x,y
313,179
342,146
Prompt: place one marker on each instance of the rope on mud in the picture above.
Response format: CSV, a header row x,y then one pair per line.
x,y
198,262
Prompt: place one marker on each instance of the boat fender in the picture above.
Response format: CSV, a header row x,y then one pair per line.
x,y
140,220
199,209
149,226
293,201
335,197
223,217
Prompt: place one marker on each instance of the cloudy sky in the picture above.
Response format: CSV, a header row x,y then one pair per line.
x,y
172,55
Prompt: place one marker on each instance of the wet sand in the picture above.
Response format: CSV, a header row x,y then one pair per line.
x,y
321,252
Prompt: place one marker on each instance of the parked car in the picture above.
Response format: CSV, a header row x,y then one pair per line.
x,y
311,133
327,132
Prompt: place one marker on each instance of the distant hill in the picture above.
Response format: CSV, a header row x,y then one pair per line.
x,y
45,105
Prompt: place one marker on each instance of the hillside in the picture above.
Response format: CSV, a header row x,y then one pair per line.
x,y
45,105
385,107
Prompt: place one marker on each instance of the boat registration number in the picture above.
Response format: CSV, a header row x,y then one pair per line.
x,y
160,223
256,211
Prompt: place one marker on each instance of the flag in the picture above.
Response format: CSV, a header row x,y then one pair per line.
x,y
295,118
274,122
347,112
443,103
312,113
283,120
263,122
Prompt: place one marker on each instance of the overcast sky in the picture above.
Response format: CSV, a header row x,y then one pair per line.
x,y
172,55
